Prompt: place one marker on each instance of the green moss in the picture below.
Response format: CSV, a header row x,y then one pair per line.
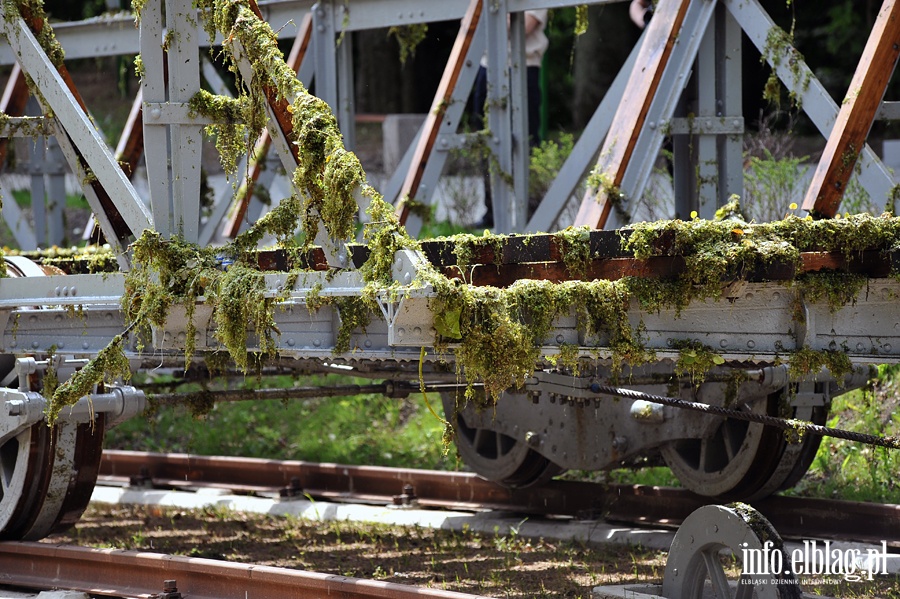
x,y
574,243
581,19
695,360
838,289
779,47
32,11
75,260
239,121
502,330
805,362
109,365
238,297
355,313
468,247
409,37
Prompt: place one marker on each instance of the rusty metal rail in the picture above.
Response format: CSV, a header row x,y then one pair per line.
x,y
640,504
131,573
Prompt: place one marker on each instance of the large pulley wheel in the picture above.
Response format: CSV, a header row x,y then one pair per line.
x,y
694,568
493,454
734,463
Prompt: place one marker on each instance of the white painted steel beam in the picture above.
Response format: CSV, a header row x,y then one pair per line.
x,y
77,124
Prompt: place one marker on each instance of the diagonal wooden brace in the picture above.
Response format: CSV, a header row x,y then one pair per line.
x,y
863,99
642,86
442,97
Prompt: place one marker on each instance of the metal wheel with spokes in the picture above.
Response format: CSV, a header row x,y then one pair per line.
x,y
734,463
694,569
493,454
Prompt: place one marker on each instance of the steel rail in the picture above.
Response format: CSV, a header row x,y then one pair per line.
x,y
131,573
647,505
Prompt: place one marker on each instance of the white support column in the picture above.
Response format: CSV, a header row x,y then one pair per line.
x,y
707,170
346,113
518,100
55,171
184,82
499,122
325,53
730,89
156,135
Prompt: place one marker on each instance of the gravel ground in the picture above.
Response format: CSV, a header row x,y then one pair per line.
x,y
507,566
499,566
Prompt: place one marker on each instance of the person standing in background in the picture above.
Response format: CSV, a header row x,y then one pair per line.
x,y
536,43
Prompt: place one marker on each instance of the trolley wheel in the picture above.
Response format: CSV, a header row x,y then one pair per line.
x,y
47,474
25,463
809,447
494,455
694,569
77,450
797,457
735,462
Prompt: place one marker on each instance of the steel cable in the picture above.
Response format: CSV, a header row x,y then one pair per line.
x,y
798,426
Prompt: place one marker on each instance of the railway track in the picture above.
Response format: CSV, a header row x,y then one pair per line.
x,y
111,572
791,516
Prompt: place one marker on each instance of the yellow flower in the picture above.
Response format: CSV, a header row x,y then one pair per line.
x,y
793,206
693,214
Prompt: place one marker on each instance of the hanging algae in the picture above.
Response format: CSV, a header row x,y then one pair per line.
x,y
501,331
408,37
32,11
238,121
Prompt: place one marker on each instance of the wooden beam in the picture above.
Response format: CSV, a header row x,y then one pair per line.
x,y
442,98
257,158
131,143
642,86
863,99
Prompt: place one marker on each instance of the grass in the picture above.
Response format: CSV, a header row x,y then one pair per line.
x,y
852,471
376,430
363,429
23,199
498,565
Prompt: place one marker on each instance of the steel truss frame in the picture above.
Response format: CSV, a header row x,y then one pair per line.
x,y
703,62
61,321
172,136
